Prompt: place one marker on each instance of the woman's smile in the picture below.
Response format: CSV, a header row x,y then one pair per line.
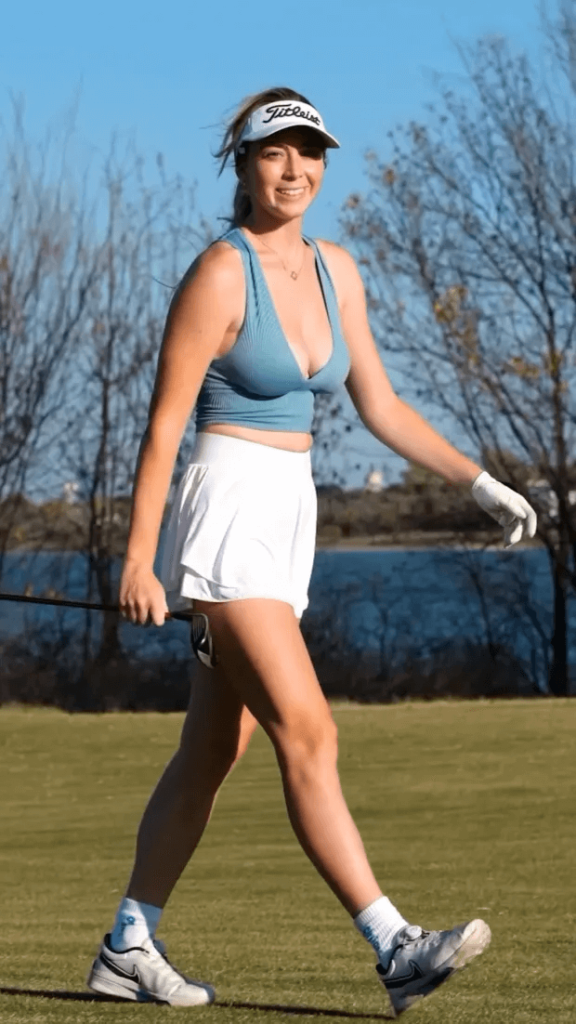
x,y
292,193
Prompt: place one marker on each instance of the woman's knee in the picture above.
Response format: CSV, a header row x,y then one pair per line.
x,y
263,654
210,761
308,744
210,754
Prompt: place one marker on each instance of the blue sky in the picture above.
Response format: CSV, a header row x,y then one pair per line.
x,y
169,73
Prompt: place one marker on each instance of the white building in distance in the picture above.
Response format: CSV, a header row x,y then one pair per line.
x,y
374,481
70,492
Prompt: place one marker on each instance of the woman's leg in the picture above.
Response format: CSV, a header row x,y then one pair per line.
x,y
263,654
264,657
216,732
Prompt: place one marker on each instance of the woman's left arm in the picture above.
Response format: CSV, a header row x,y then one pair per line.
x,y
395,423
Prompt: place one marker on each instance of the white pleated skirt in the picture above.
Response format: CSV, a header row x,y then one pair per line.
x,y
242,524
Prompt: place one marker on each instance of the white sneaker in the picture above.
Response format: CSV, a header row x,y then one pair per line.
x,y
423,960
144,974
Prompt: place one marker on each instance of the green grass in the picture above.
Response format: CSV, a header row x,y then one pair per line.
x,y
466,809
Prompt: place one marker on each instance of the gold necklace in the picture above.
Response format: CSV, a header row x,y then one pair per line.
x,y
294,274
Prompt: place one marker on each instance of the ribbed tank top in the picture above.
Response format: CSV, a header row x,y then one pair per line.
x,y
259,383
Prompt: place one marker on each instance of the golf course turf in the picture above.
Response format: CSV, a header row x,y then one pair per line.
x,y
467,809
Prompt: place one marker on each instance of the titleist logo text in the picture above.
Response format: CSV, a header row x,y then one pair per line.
x,y
289,110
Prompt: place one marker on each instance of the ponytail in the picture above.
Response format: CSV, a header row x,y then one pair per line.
x,y
242,206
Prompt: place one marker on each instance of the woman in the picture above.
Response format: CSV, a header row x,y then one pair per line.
x,y
264,318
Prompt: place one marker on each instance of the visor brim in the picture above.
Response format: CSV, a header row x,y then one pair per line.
x,y
329,140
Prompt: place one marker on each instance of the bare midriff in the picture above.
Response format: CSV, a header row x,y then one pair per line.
x,y
289,440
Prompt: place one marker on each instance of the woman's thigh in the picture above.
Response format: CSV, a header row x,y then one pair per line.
x,y
263,657
218,725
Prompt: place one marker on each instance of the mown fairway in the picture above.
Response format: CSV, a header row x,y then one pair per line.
x,y
466,810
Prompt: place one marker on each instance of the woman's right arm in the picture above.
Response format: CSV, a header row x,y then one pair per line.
x,y
205,308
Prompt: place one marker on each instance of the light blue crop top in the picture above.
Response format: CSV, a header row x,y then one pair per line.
x,y
258,383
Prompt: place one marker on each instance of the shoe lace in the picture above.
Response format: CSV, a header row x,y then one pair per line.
x,y
169,970
411,933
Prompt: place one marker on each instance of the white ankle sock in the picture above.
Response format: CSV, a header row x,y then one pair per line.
x,y
134,922
379,923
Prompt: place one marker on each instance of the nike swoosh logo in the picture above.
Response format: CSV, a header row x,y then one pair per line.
x,y
133,976
405,979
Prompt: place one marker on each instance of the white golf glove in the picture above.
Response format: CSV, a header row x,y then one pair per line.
x,y
507,507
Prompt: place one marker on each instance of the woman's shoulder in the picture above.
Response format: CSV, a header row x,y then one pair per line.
x,y
220,257
337,251
340,263
218,266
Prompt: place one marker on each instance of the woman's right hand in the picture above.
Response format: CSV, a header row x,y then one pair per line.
x,y
142,596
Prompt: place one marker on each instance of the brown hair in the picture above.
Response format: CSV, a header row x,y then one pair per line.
x,y
242,205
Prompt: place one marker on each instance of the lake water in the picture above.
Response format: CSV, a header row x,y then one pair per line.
x,y
393,600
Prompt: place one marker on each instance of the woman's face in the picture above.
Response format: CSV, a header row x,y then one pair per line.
x,y
283,174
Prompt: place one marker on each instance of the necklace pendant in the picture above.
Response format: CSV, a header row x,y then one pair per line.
x,y
293,275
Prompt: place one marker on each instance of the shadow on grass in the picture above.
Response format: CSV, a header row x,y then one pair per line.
x,y
93,997
48,993
312,1011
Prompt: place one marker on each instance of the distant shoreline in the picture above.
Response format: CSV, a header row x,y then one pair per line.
x,y
421,542
414,541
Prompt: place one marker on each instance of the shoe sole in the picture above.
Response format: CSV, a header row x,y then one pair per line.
x,y
102,981
472,945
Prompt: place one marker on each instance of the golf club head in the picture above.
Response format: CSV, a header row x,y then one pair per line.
x,y
201,639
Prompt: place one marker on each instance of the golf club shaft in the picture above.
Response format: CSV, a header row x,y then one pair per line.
x,y
60,602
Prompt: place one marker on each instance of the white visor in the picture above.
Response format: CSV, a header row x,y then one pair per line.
x,y
274,117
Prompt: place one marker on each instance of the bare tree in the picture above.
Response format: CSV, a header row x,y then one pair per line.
x,y
467,239
88,260
146,241
46,274
560,31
